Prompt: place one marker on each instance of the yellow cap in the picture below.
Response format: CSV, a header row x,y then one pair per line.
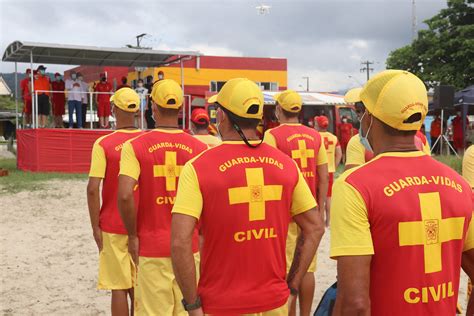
x,y
289,100
126,99
393,96
165,91
240,96
353,95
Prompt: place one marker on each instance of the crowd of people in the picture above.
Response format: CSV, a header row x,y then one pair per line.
x,y
195,224
74,93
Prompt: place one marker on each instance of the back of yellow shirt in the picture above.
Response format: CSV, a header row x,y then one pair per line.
x,y
209,140
330,141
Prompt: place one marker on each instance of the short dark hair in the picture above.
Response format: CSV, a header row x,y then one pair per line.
x,y
242,122
140,80
395,132
202,126
289,114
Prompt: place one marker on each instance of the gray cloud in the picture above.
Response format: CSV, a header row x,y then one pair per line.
x,y
325,39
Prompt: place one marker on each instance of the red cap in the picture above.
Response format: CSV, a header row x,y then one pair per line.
x,y
199,116
35,72
57,74
102,74
28,71
322,121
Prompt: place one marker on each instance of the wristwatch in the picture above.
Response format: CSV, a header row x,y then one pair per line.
x,y
293,291
190,307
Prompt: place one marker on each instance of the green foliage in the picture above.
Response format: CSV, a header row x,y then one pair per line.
x,y
8,103
444,53
452,161
18,180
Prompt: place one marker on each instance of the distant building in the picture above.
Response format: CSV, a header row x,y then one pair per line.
x,y
4,88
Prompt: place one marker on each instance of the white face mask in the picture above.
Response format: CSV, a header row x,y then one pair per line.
x,y
140,84
73,77
80,78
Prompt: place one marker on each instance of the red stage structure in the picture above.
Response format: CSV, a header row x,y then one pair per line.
x,y
56,150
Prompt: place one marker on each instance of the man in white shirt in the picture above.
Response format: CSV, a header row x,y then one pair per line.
x,y
74,100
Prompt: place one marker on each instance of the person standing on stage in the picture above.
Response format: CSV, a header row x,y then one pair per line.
x,y
25,87
104,89
58,100
116,269
42,86
74,100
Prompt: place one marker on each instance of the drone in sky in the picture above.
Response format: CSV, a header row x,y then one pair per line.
x,y
263,9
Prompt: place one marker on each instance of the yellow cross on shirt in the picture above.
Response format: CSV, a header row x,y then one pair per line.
x,y
302,153
170,170
256,193
431,232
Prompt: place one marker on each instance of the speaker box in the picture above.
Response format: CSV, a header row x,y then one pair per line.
x,y
443,97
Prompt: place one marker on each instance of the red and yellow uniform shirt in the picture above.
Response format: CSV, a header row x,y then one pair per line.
x,y
356,154
244,198
330,142
413,219
304,145
105,164
103,98
422,143
155,160
209,140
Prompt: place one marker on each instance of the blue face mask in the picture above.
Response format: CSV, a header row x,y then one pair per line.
x,y
363,139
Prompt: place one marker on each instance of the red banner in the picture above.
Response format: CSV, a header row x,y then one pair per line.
x,y
56,150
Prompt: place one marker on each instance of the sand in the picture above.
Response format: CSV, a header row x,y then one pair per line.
x,y
48,257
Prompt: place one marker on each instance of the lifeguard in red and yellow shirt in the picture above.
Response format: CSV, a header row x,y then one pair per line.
x,y
155,161
305,146
104,89
243,193
25,87
400,222
116,270
334,152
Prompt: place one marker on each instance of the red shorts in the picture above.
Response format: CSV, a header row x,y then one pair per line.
x,y
331,181
27,108
103,109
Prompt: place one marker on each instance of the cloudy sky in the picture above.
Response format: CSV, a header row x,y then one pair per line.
x,y
323,39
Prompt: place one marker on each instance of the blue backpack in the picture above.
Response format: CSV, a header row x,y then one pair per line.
x,y
326,304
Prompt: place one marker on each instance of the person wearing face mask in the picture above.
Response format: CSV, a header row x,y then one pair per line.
x,y
150,123
154,161
346,131
104,90
306,147
143,93
25,88
458,132
402,218
58,100
74,100
42,86
116,270
243,193
84,99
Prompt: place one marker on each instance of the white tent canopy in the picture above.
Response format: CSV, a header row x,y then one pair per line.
x,y
42,53
4,88
309,98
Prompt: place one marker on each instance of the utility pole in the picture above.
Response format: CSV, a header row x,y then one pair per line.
x,y
307,82
367,68
413,19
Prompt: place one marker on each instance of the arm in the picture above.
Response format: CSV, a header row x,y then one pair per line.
x,y
353,288
312,230
96,174
93,201
186,212
126,206
128,177
468,267
338,157
323,183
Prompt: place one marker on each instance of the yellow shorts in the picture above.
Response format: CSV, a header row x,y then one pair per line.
x,y
116,268
280,311
157,292
293,232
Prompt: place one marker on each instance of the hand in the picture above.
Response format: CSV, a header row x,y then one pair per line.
x,y
97,232
291,300
133,246
196,312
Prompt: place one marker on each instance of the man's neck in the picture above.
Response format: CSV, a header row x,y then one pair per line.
x,y
395,144
201,132
285,120
234,136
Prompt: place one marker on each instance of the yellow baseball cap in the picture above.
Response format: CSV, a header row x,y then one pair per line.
x,y
289,100
126,99
393,96
242,97
353,95
167,94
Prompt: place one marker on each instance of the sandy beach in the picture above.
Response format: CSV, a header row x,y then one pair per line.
x,y
49,259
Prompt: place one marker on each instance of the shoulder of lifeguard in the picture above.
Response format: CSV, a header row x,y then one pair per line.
x,y
101,139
